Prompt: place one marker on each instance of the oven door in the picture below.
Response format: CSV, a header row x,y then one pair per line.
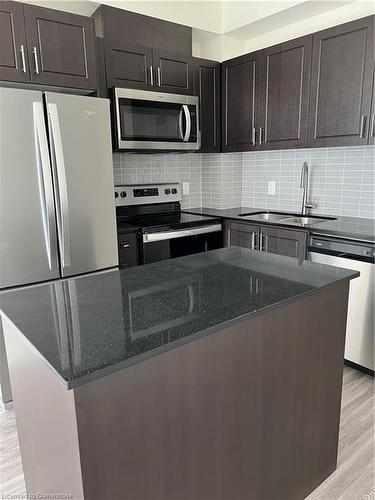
x,y
171,244
151,120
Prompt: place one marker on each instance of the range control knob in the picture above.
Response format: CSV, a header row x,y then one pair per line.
x,y
174,191
116,194
123,194
167,191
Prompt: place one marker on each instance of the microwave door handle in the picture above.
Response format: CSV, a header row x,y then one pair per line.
x,y
180,123
188,122
60,173
45,185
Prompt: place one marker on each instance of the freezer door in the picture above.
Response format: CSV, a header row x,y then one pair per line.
x,y
28,246
81,152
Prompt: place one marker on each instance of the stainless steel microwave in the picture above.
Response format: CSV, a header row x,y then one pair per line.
x,y
149,121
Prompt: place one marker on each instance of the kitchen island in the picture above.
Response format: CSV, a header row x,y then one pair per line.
x,y
213,376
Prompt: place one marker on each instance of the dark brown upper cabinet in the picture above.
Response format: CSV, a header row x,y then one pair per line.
x,y
128,65
174,72
371,132
285,81
137,29
207,87
61,48
240,102
13,56
341,82
140,67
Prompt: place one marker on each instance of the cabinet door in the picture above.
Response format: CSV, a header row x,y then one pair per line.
x,y
61,48
13,56
240,102
241,235
208,89
371,133
128,250
283,242
285,94
128,65
173,72
341,81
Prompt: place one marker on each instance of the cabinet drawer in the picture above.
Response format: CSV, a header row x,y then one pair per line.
x,y
128,250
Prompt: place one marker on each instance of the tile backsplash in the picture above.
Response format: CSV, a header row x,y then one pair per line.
x,y
341,179
168,167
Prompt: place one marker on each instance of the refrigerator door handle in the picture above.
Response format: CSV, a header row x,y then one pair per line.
x,y
62,189
45,185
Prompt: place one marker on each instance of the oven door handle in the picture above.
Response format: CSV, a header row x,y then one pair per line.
x,y
169,235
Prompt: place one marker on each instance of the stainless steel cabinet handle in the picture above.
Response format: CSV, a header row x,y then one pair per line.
x,y
372,131
151,75
362,131
252,241
228,238
45,185
159,78
253,140
36,60
60,174
22,50
260,136
124,245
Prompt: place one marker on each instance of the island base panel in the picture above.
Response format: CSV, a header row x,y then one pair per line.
x,y
46,421
249,412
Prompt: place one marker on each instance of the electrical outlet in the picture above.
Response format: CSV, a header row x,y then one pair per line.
x,y
185,188
272,188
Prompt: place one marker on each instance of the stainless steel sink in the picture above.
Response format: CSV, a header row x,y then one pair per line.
x,y
286,218
306,221
270,216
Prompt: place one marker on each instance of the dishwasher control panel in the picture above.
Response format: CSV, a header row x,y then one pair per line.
x,y
342,248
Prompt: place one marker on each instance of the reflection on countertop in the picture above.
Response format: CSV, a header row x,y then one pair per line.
x,y
88,326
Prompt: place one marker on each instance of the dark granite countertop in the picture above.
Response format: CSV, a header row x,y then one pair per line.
x,y
90,326
345,227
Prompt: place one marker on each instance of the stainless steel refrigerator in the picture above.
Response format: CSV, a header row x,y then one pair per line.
x,y
57,213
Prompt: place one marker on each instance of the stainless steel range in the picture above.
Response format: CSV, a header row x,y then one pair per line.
x,y
163,230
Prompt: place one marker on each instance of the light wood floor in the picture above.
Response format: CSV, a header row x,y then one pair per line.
x,y
353,479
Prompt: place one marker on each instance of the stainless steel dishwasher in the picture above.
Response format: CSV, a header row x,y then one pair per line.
x,y
357,255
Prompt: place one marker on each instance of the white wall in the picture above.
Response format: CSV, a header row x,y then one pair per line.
x,y
227,28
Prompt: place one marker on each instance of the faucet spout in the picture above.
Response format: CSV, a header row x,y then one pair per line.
x,y
304,184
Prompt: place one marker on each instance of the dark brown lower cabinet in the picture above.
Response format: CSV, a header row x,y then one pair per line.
x,y
281,241
241,235
288,242
128,250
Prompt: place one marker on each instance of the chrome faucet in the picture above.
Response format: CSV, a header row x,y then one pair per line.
x,y
305,185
